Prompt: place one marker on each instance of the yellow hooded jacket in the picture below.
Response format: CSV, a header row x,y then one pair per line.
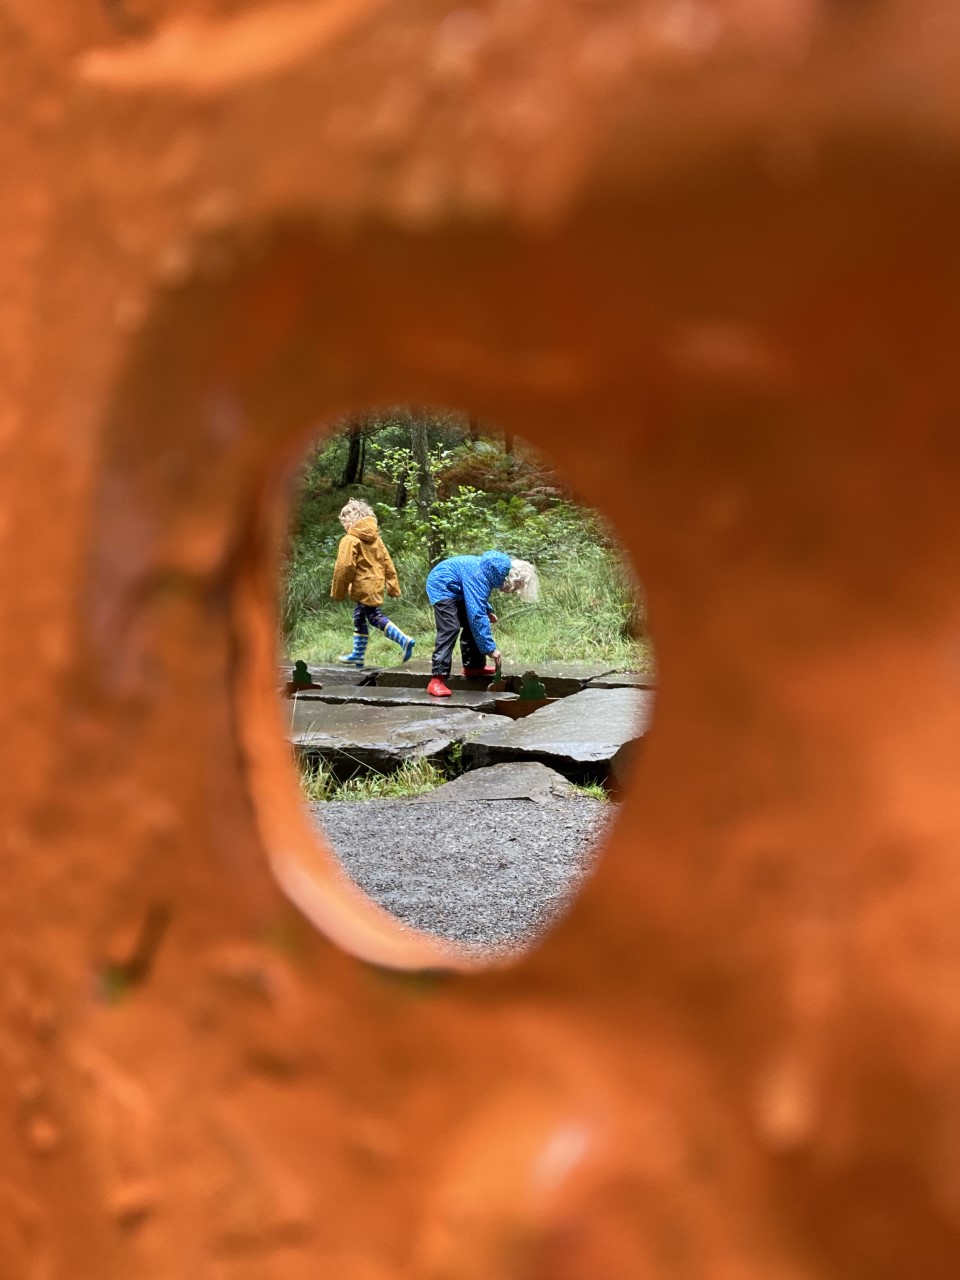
x,y
363,565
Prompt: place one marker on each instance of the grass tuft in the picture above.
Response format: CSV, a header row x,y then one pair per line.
x,y
317,783
413,778
592,789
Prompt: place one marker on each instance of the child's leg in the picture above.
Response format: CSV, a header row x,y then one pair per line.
x,y
473,659
393,632
361,637
448,627
447,621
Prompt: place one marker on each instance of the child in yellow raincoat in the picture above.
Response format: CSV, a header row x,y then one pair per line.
x,y
362,571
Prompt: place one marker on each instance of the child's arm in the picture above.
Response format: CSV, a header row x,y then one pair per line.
x,y
390,573
345,568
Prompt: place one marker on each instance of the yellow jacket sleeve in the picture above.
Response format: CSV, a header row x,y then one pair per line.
x,y
345,568
391,581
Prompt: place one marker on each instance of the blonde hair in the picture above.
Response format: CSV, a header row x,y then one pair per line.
x,y
356,509
523,581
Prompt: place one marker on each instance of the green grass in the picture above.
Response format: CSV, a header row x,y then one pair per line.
x,y
593,790
583,615
322,635
413,778
317,783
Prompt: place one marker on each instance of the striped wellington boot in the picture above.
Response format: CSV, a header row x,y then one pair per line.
x,y
393,632
357,654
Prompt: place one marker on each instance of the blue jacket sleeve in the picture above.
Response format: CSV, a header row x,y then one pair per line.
x,y
476,598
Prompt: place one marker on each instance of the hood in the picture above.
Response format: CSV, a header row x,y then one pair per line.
x,y
367,529
495,565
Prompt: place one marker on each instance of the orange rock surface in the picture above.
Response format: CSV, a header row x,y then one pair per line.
x,y
704,254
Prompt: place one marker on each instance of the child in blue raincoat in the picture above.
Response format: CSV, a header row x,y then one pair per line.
x,y
459,590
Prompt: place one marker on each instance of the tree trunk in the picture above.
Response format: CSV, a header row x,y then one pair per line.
x,y
426,488
354,465
419,447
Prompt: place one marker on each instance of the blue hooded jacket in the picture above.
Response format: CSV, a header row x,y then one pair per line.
x,y
471,579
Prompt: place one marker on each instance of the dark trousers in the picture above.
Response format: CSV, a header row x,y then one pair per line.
x,y
372,614
451,619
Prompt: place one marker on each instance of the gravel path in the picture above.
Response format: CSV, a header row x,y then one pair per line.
x,y
477,871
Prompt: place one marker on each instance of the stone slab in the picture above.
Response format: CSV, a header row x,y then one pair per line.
x,y
579,735
560,679
354,739
522,780
332,674
625,680
416,666
416,673
395,695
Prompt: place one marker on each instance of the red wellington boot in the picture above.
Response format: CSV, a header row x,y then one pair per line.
x,y
437,689
473,673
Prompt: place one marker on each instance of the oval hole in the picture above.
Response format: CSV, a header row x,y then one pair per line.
x,y
468,816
